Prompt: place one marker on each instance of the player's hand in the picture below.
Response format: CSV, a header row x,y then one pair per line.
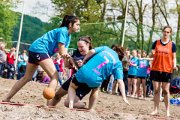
x,y
91,110
126,101
66,55
175,68
72,63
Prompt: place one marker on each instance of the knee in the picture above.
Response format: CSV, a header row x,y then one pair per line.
x,y
129,83
156,92
165,92
54,76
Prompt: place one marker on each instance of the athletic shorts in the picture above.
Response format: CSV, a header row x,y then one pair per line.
x,y
82,89
132,76
141,77
34,58
160,76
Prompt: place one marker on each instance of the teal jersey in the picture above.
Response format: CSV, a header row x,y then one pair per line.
x,y
22,61
142,68
133,69
104,63
48,43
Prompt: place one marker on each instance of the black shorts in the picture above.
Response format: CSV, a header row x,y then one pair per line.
x,y
34,58
82,89
160,76
132,76
141,77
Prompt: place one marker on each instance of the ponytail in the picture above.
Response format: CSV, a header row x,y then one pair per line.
x,y
67,20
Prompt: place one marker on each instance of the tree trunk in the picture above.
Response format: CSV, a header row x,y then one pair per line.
x,y
153,25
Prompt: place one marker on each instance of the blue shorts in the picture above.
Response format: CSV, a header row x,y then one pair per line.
x,y
82,89
34,58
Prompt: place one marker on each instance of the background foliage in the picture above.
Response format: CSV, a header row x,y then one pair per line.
x,y
103,20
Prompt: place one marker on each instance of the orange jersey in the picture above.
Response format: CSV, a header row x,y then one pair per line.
x,y
163,58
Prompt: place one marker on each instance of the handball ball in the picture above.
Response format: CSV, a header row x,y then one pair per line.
x,y
48,93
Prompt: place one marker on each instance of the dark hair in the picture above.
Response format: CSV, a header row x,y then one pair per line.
x,y
88,40
119,50
68,19
168,27
113,46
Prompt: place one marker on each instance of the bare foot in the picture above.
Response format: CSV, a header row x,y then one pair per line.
x,y
80,105
91,110
6,100
132,96
51,106
143,98
154,112
71,105
168,114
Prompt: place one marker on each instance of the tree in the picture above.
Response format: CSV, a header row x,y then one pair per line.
x,y
178,30
154,14
118,9
7,20
178,25
137,11
86,10
161,4
30,25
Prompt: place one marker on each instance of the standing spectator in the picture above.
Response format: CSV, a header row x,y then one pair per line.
x,y
3,57
59,64
10,63
132,80
149,86
110,85
22,63
125,62
164,61
143,65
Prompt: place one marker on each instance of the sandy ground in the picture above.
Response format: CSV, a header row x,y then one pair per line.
x,y
108,107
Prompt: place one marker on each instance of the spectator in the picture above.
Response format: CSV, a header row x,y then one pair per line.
x,y
59,64
164,61
22,63
10,63
143,65
45,78
3,58
125,62
132,80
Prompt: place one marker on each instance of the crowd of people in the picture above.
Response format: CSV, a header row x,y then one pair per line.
x,y
133,73
7,62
